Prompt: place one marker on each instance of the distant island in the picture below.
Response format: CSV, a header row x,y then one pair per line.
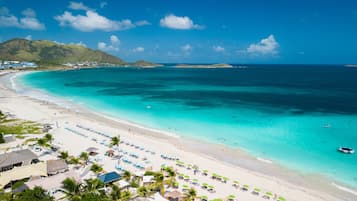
x,y
203,66
45,54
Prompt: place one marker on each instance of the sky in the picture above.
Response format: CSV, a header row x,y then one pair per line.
x,y
193,31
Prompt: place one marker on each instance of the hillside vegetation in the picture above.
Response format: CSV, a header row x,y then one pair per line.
x,y
44,52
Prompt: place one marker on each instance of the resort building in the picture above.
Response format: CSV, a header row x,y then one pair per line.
x,y
56,166
17,159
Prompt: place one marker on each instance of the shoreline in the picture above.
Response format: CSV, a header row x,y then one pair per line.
x,y
219,153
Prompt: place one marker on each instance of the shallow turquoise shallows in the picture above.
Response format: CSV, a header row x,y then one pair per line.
x,y
296,116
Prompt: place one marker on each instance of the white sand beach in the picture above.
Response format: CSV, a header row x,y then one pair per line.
x,y
151,144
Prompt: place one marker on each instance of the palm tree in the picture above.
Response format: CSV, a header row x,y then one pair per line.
x,y
73,160
93,185
126,175
126,195
191,194
96,168
84,156
115,141
143,191
63,155
115,194
48,137
42,142
72,189
35,194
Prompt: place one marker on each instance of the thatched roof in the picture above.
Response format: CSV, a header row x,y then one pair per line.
x,y
14,157
56,166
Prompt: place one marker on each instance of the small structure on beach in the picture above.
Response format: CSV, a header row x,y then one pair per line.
x,y
147,180
110,153
17,159
123,185
56,166
92,151
109,177
174,196
9,138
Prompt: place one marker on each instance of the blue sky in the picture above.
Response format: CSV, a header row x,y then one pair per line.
x,y
187,31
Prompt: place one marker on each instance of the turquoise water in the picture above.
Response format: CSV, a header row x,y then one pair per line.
x,y
277,113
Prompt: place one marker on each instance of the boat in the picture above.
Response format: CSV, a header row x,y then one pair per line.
x,y
346,150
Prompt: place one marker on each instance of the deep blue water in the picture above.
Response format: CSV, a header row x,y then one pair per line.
x,y
275,112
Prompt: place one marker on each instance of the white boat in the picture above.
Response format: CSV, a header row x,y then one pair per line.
x,y
346,150
327,126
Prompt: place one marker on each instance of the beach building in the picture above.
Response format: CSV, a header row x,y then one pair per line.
x,y
17,159
56,166
23,172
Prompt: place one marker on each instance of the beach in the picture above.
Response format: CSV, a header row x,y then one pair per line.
x,y
257,173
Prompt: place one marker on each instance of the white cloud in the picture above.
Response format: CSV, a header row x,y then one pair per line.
x,y
103,4
28,37
142,23
112,47
29,12
29,21
78,6
186,48
218,48
114,39
266,46
139,49
92,21
176,22
79,44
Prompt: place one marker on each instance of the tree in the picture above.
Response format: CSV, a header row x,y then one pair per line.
x,y
126,175
72,189
191,194
73,160
63,155
126,195
35,194
84,156
115,194
115,141
2,140
48,137
93,185
90,196
96,168
143,191
42,142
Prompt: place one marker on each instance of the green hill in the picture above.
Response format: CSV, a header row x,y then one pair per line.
x,y
47,53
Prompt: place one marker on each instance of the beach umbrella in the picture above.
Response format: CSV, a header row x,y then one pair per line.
x,y
225,178
205,171
195,180
269,193
236,182
245,186
204,197
205,185
187,177
217,199
211,187
231,197
195,167
257,190
281,199
185,187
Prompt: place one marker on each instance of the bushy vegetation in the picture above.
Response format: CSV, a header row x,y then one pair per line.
x,y
45,52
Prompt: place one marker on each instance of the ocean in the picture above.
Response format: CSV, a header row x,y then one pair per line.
x,y
293,115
